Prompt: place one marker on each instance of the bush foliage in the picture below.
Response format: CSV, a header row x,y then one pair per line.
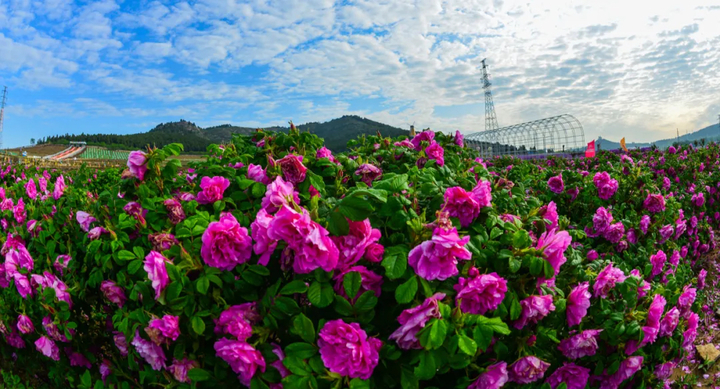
x,y
400,264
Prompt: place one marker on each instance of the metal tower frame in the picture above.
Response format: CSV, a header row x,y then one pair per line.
x,y
491,122
555,135
2,114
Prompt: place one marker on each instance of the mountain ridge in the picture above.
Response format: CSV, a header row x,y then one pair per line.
x,y
336,133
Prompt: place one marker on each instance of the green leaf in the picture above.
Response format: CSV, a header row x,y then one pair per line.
x,y
515,309
258,190
408,380
134,266
338,224
300,350
356,208
304,328
198,374
496,324
198,325
495,232
366,301
521,239
548,269
203,283
357,383
293,287
316,181
297,366
86,379
427,367
321,294
125,255
433,335
395,261
483,337
405,293
467,345
287,305
352,281
514,264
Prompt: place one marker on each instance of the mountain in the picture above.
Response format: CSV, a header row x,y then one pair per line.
x,y
709,133
336,132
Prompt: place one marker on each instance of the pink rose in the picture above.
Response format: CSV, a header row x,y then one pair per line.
x,y
413,320
149,351
242,358
48,348
480,293
137,164
345,349
374,252
226,244
293,169
437,259
352,246
212,189
113,292
154,265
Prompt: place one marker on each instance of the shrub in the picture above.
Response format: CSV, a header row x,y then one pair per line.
x,y
406,263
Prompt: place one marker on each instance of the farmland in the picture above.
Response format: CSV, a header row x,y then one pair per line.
x,y
401,263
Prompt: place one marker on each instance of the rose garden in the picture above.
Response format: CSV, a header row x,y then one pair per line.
x,y
403,263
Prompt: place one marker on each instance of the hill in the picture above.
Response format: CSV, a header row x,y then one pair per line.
x,y
709,133
336,132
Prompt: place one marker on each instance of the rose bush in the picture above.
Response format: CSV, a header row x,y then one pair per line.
x,y
403,263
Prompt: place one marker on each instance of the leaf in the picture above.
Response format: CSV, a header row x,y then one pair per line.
x,y
433,336
316,181
356,208
467,345
296,366
321,294
203,283
427,367
198,325
521,239
125,255
395,261
405,293
287,305
352,281
338,224
357,383
548,269
495,232
300,350
258,190
496,324
198,374
304,328
134,266
515,309
408,380
483,337
296,286
86,379
366,301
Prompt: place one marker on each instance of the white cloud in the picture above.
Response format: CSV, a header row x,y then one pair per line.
x,y
641,72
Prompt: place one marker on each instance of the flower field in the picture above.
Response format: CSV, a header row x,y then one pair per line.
x,y
404,263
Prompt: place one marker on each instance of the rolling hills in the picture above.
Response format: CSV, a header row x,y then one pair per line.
x,y
336,132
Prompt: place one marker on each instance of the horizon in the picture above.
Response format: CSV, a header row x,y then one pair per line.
x,y
111,67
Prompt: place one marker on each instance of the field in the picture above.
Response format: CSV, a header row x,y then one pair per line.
x,y
402,263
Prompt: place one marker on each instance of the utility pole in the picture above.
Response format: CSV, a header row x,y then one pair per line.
x,y
2,114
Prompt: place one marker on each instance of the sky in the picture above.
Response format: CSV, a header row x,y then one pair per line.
x,y
638,69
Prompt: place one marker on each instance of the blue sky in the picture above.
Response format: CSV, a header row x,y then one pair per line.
x,y
115,66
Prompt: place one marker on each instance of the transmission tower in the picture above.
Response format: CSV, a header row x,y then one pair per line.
x,y
491,122
2,114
